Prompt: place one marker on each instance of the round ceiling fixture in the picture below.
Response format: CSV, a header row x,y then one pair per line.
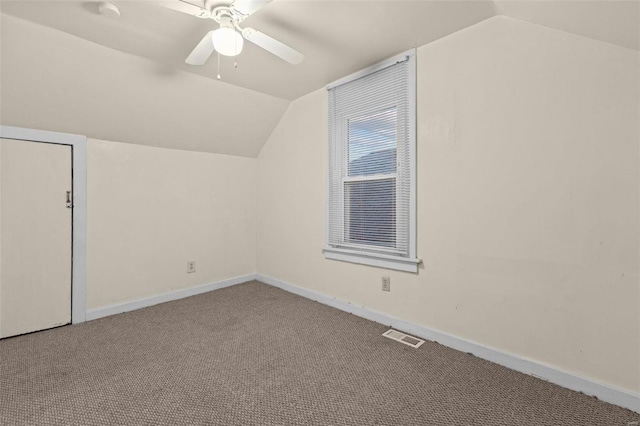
x,y
108,9
226,40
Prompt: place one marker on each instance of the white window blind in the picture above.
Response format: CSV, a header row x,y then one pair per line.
x,y
371,194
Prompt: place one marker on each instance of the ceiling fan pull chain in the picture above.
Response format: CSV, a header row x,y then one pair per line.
x,y
235,58
218,65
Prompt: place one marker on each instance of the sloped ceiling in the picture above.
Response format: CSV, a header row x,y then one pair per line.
x,y
67,68
327,32
54,81
611,21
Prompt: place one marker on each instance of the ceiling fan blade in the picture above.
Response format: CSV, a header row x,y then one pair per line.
x,y
202,51
192,7
247,7
272,45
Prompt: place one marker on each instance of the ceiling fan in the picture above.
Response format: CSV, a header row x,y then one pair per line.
x,y
228,38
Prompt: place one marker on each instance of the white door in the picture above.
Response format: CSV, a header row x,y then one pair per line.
x,y
35,236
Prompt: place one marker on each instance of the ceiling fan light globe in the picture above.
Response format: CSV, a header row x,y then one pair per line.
x,y
227,41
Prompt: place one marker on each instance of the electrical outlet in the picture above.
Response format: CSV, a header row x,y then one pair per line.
x,y
191,266
386,283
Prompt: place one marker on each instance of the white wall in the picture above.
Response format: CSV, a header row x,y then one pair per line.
x,y
152,209
528,192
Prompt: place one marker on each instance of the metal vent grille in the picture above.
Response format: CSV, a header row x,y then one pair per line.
x,y
403,338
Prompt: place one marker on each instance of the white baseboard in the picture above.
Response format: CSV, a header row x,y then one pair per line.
x,y
604,392
119,308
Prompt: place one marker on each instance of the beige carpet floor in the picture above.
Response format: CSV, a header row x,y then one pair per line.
x,y
256,355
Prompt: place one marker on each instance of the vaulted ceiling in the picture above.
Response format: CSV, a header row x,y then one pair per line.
x,y
611,21
143,92
337,37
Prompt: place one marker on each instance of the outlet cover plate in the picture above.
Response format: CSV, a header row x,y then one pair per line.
x,y
386,283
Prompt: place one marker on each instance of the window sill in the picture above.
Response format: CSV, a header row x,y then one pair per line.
x,y
373,259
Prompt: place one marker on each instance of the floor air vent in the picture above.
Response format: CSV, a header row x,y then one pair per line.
x,y
403,338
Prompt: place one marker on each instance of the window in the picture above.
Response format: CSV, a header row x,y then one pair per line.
x,y
371,194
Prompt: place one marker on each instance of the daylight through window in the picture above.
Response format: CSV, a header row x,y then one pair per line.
x,y
371,196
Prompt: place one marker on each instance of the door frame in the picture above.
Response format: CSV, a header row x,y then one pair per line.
x,y
78,145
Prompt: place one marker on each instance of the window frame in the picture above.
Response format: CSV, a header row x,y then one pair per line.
x,y
364,254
